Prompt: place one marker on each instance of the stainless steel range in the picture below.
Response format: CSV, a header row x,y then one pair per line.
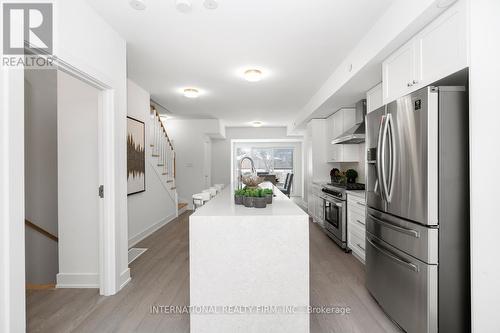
x,y
334,197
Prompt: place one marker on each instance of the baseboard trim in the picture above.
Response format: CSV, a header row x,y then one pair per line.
x,y
125,278
77,280
143,234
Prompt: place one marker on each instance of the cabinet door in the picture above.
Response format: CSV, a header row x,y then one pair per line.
x,y
330,149
442,46
398,72
338,129
374,98
350,153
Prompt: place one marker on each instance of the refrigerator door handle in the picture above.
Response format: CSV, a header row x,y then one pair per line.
x,y
392,256
383,176
390,186
403,230
379,158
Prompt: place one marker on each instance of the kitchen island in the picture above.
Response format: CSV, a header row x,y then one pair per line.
x,y
249,267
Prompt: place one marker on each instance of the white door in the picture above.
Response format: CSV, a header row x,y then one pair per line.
x,y
398,72
78,182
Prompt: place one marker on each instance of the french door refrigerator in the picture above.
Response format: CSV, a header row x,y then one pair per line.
x,y
417,227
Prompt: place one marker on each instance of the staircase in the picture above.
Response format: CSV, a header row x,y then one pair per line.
x,y
40,230
163,155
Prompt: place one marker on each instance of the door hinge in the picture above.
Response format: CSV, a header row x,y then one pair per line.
x,y
101,191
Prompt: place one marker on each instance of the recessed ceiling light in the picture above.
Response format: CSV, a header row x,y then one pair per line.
x,y
191,93
210,4
257,123
137,4
184,6
253,75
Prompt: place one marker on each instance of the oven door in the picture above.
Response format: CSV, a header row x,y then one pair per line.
x,y
335,217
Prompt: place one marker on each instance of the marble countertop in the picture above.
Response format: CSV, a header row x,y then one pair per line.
x,y
223,205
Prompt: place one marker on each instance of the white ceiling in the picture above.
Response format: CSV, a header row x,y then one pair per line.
x,y
297,43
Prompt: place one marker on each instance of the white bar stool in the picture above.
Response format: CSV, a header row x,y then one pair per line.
x,y
199,199
212,191
219,187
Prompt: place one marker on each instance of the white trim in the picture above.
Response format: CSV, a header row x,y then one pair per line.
x,y
150,230
77,280
12,269
125,278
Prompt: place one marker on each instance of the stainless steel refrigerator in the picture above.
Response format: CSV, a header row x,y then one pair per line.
x,y
417,227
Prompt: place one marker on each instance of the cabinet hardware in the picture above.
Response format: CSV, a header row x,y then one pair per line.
x,y
360,222
360,203
415,81
409,84
362,248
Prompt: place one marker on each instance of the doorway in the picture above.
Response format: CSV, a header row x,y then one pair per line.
x,y
63,119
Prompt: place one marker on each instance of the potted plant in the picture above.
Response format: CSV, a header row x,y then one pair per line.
x,y
268,193
335,175
259,199
351,175
248,198
238,196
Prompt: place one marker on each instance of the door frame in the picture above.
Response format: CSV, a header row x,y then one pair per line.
x,y
105,124
12,196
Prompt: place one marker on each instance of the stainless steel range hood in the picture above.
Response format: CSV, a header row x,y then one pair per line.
x,y
355,134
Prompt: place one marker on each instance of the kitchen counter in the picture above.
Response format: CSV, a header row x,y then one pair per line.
x,y
358,193
249,258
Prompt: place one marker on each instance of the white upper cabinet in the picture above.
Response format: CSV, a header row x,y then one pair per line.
x,y
399,72
338,123
374,98
442,46
437,51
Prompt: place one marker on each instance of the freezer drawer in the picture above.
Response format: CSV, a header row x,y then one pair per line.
x,y
414,239
405,287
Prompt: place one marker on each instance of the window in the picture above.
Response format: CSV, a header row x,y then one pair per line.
x,y
270,160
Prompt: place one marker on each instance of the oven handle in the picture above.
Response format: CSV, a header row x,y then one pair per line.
x,y
333,203
403,230
392,256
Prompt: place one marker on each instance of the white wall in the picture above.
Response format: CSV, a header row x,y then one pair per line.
x,y
78,181
188,138
221,149
149,210
41,174
484,161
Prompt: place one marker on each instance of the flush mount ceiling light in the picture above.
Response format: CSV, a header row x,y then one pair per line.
x,y
137,4
210,4
257,123
253,75
191,93
184,6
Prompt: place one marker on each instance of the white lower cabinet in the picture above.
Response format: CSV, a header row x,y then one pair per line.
x,y
315,205
356,217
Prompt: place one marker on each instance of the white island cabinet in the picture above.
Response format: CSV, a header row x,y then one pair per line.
x,y
249,267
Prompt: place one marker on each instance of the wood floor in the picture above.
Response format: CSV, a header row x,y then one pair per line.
x,y
161,277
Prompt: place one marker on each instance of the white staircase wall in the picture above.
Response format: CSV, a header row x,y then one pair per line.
x,y
41,174
149,210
